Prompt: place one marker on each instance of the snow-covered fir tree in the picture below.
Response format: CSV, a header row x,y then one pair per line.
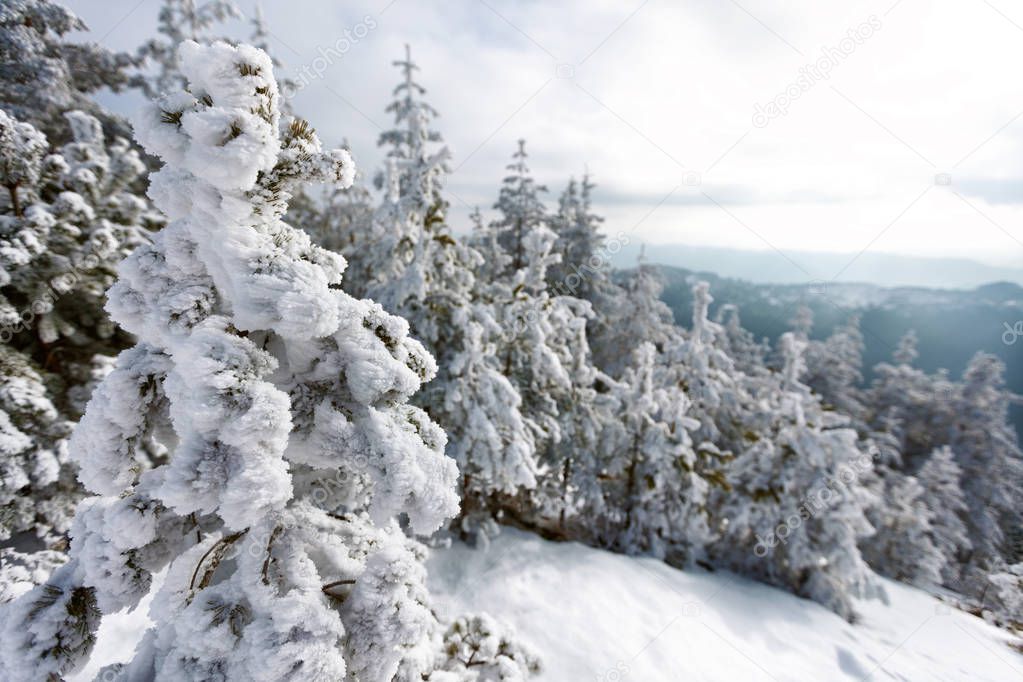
x,y
43,74
479,407
543,351
527,352
695,386
748,355
634,313
940,477
795,507
919,534
914,408
283,402
584,269
903,544
67,217
416,268
834,368
179,20
412,133
923,414
488,435
661,498
389,247
576,461
988,453
521,210
703,369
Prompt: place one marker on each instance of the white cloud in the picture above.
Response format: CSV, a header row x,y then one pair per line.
x,y
673,88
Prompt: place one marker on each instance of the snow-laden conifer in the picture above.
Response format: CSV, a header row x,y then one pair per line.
x,y
43,74
68,215
283,403
987,451
795,509
634,313
834,368
177,21
522,211
661,498
940,477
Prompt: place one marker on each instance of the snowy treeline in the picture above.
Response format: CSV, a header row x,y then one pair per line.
x,y
256,374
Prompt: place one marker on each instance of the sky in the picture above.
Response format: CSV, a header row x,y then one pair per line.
x,y
784,125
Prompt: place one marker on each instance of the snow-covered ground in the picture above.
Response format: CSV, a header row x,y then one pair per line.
x,y
593,615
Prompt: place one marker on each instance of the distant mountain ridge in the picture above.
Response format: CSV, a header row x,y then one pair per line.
x,y
803,267
952,324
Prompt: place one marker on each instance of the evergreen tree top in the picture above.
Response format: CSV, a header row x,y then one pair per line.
x,y
412,115
521,209
177,22
182,20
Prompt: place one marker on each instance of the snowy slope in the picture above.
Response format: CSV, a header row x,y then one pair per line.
x,y
593,615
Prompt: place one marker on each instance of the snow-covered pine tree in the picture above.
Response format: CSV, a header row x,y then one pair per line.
x,y
43,75
179,20
545,353
794,513
1007,582
633,314
954,435
527,350
919,534
521,210
413,134
584,269
67,217
987,451
748,355
483,237
719,394
660,500
903,546
388,248
834,369
914,408
293,447
570,498
68,213
940,477
480,409
419,270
